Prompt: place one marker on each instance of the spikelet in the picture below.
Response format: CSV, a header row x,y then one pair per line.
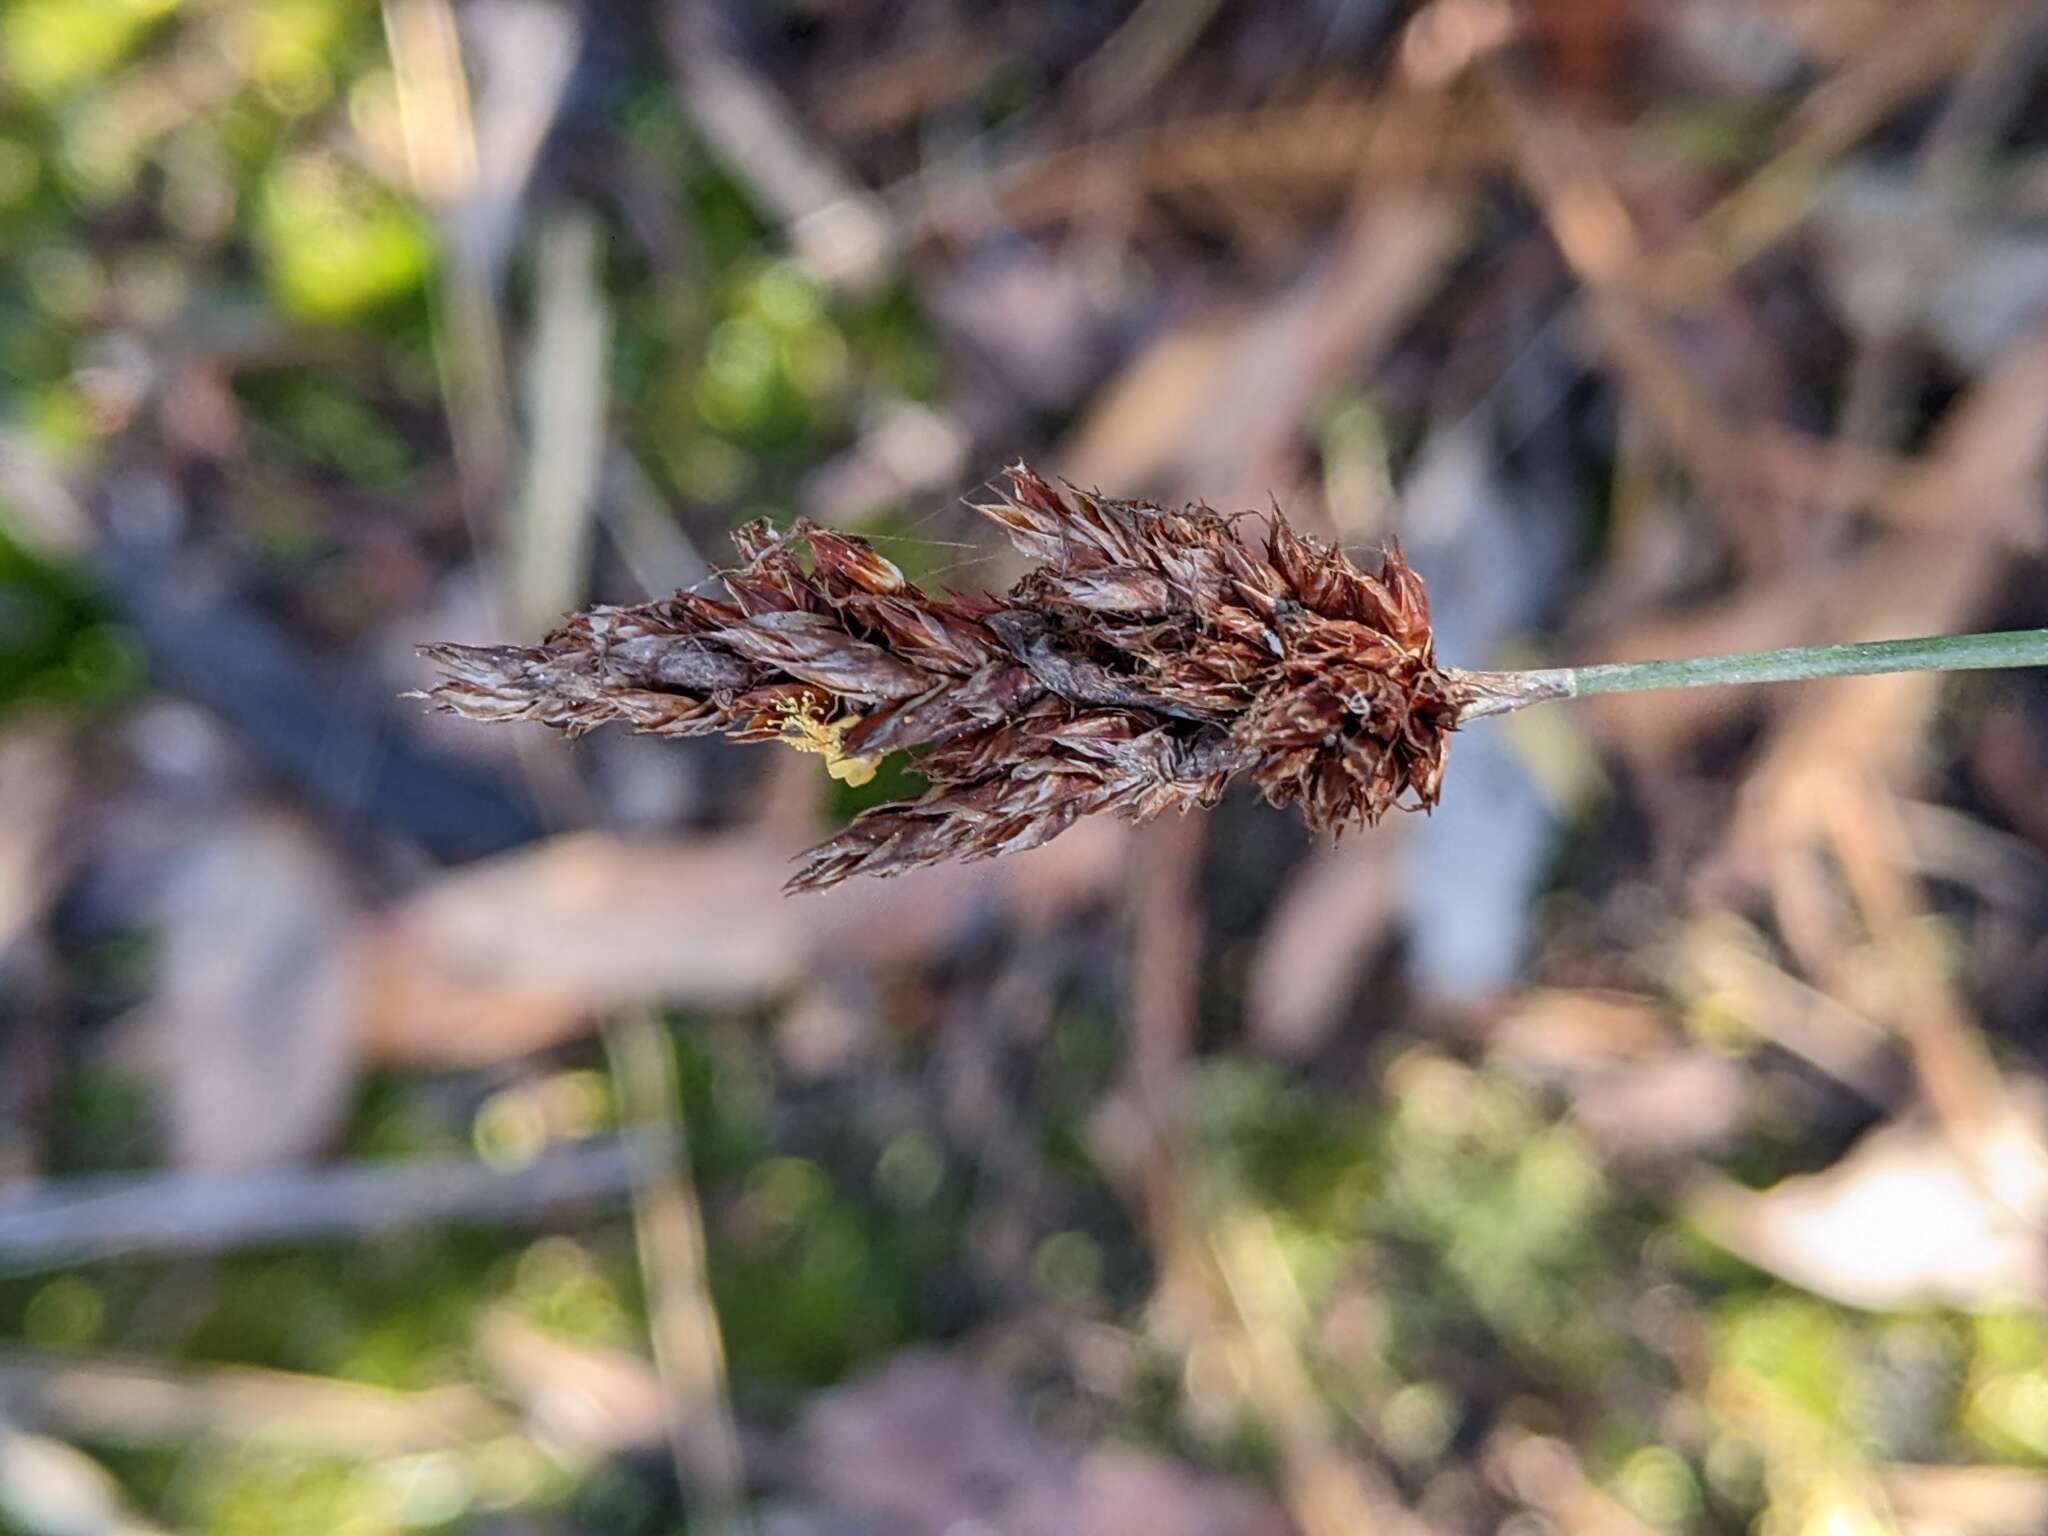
x,y
1152,656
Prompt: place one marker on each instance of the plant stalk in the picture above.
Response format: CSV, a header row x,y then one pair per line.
x,y
1494,693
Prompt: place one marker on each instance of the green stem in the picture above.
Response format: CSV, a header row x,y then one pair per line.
x,y
1493,693
1935,653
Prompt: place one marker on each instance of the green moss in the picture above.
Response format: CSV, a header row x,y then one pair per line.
x,y
56,645
1799,1350
337,246
51,47
812,1273
279,1494
104,1120
1715,135
2005,1395
1270,1141
322,422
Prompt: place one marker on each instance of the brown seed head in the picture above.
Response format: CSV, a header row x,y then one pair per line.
x,y
1150,657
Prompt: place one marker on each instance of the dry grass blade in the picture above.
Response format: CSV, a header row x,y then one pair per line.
x,y
1152,656
48,1488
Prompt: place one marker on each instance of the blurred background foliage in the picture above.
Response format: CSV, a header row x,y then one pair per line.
x,y
1653,1142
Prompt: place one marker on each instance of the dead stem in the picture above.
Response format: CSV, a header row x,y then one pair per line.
x,y
668,1230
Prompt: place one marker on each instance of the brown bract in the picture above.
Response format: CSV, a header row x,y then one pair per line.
x,y
1152,656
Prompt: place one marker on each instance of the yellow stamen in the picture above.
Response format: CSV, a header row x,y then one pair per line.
x,y
805,728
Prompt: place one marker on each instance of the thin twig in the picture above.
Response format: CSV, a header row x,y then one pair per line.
x,y
48,1488
125,1400
72,1221
841,231
668,1228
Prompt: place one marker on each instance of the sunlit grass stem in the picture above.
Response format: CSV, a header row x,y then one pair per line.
x,y
1499,692
1800,663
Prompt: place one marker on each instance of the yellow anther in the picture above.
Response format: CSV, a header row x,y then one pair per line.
x,y
805,728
